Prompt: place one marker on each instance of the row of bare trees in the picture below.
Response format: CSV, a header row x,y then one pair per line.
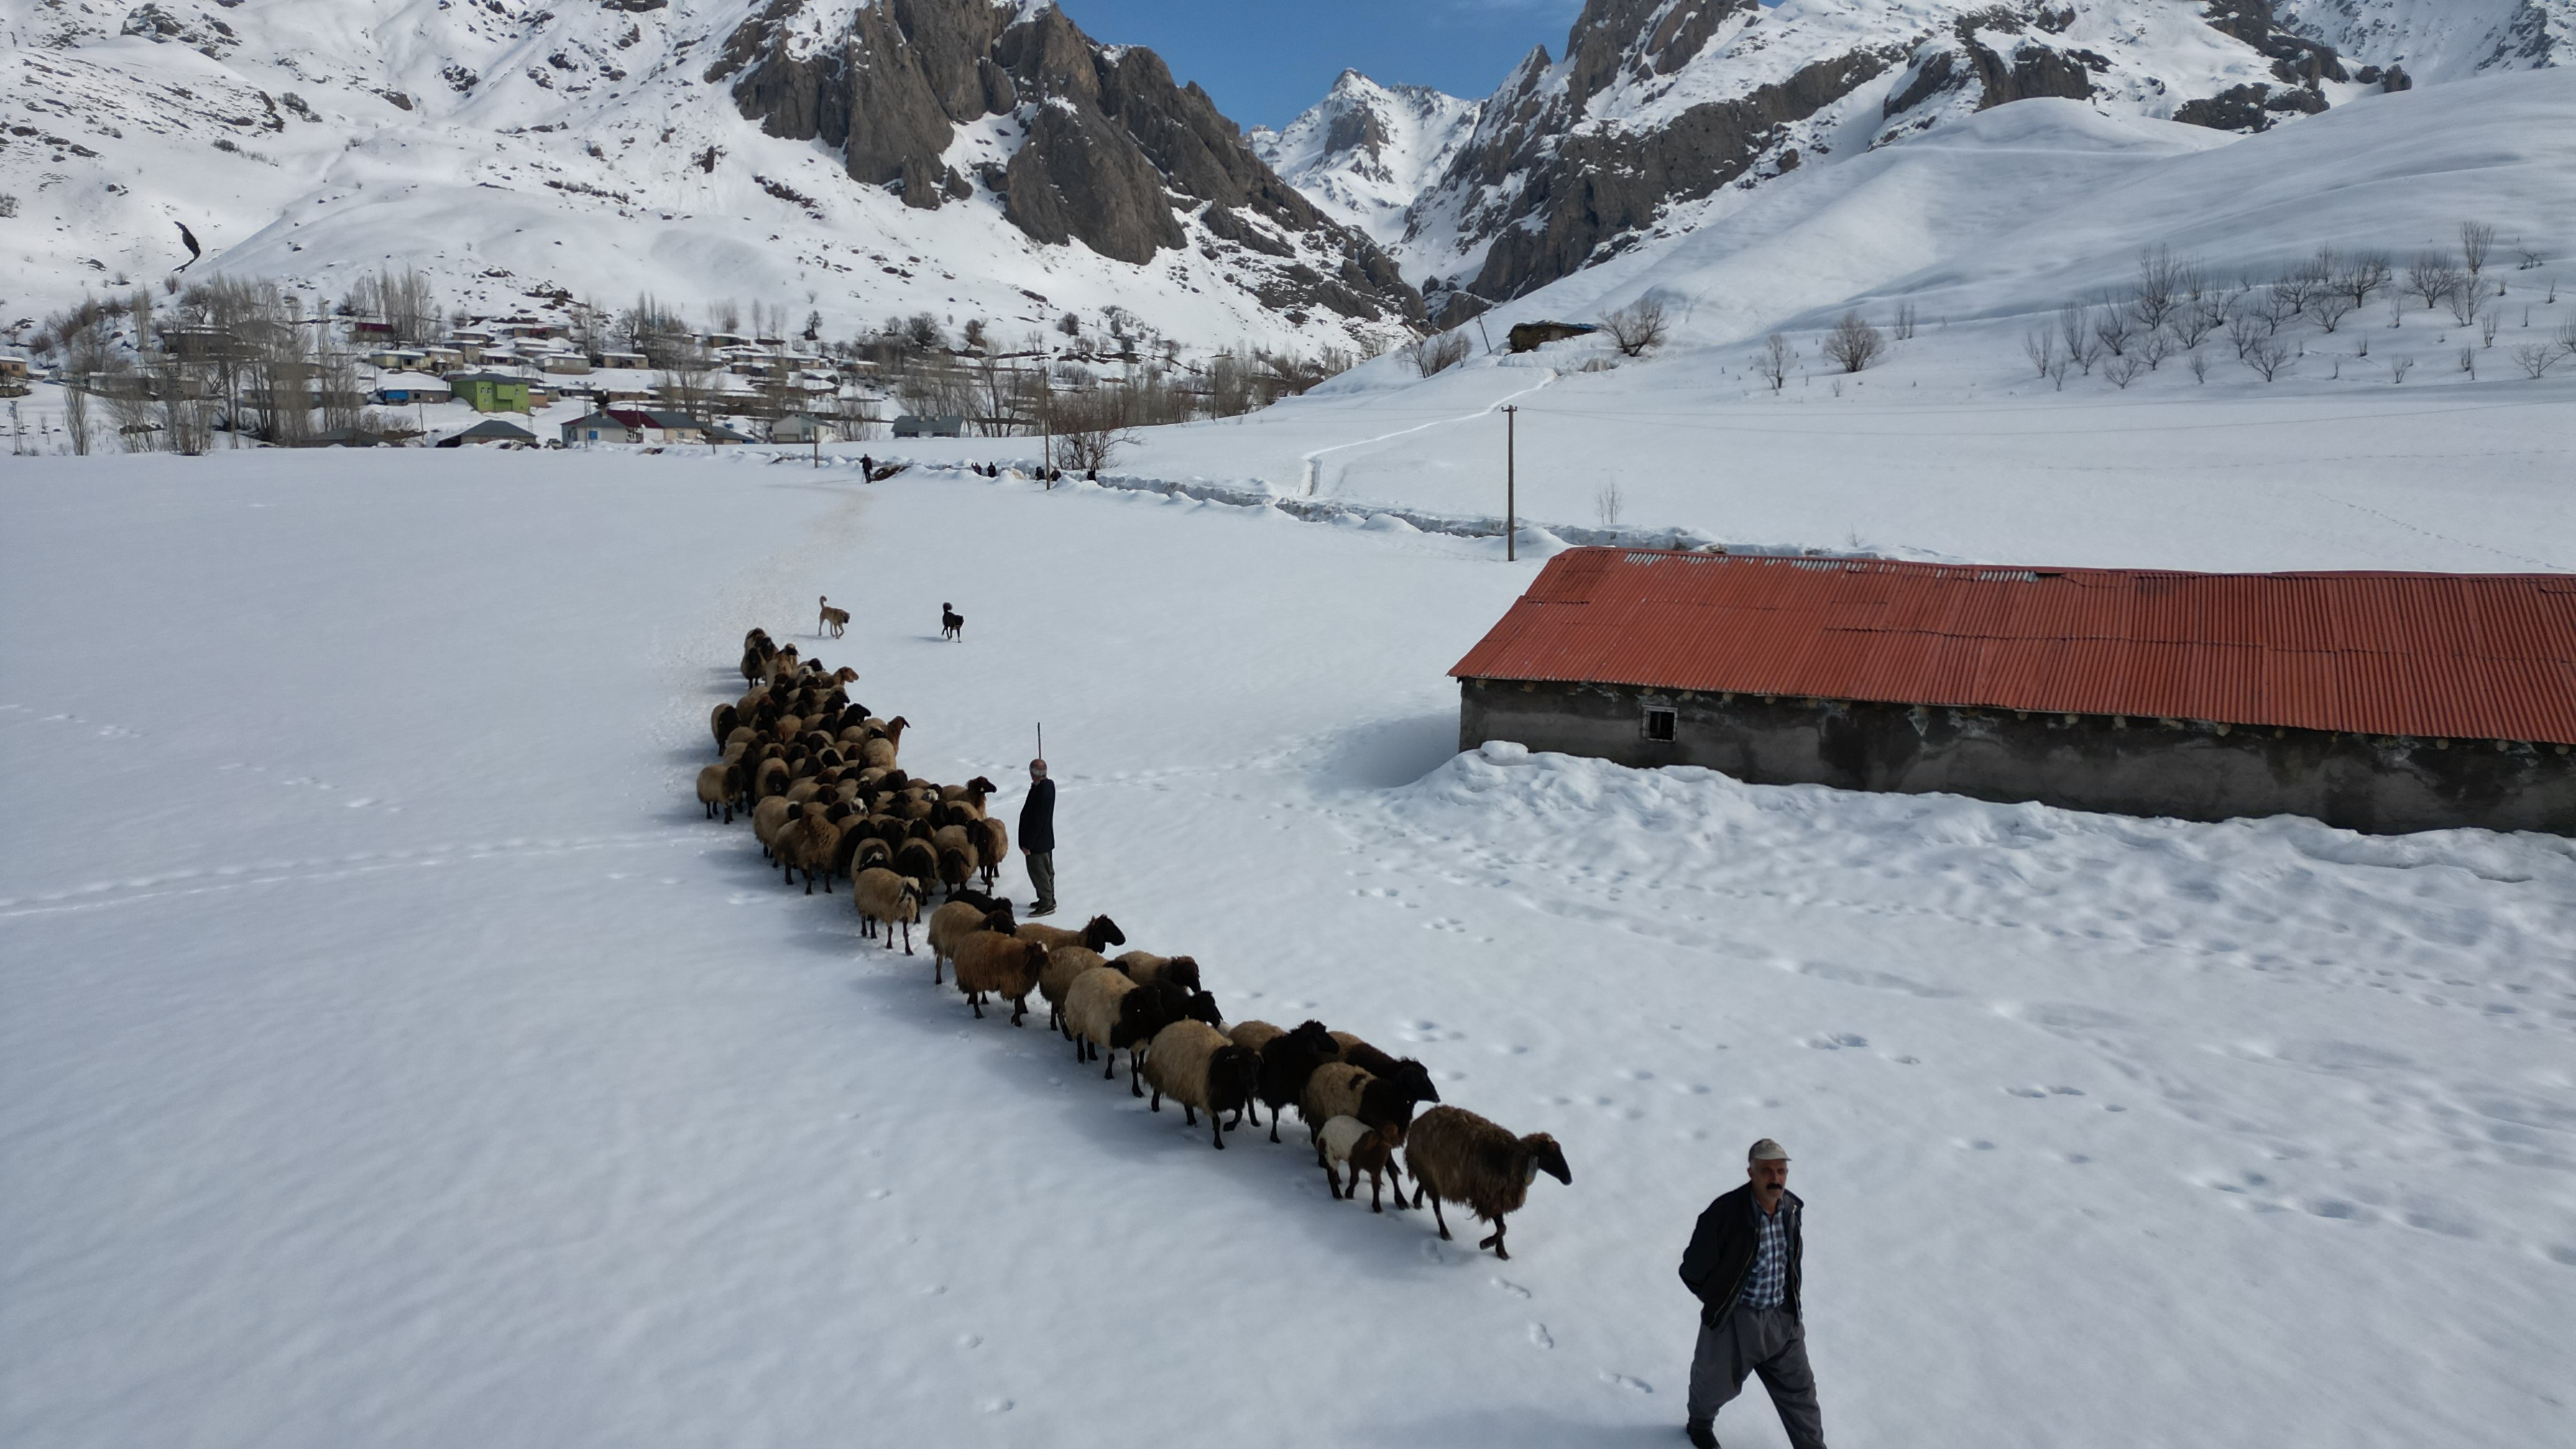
x,y
229,356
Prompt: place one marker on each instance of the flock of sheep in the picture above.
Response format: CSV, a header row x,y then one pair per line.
x,y
819,777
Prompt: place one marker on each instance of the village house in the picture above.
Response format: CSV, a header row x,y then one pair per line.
x,y
2379,702
944,425
405,392
800,429
14,377
492,392
490,430
599,427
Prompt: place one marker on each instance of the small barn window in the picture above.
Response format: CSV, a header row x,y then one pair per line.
x,y
1659,724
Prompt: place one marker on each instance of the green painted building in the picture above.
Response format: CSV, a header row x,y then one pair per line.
x,y
491,392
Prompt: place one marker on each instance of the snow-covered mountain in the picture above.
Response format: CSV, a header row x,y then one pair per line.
x,y
2439,40
1366,151
1658,104
856,158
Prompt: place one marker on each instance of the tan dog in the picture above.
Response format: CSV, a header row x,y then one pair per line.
x,y
834,619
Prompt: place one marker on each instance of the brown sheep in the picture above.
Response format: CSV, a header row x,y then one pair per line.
x,y
886,899
1192,1063
1065,965
1367,1149
1458,1155
883,749
999,964
810,844
1338,1089
953,923
769,817
1097,933
718,785
994,847
1254,1035
724,721
1091,1012
1148,968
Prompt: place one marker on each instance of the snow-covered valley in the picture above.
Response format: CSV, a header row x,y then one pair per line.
x,y
391,1054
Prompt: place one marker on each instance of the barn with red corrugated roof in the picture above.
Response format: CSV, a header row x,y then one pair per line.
x,y
2376,701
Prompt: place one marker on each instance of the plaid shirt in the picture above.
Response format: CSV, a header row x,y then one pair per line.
x,y
1768,1283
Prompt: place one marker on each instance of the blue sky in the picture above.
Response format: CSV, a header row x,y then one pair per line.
x,y
1266,60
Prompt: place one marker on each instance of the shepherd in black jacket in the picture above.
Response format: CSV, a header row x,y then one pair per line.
x,y
1742,1264
1037,837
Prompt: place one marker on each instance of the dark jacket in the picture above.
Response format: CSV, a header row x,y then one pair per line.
x,y
1037,818
1720,1256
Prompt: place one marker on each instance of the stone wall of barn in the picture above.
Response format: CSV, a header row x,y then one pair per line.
x,y
2192,770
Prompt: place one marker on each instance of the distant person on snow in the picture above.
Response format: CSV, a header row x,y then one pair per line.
x,y
1742,1264
1037,837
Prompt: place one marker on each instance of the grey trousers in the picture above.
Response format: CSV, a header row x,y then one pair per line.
x,y
1765,1341
1042,875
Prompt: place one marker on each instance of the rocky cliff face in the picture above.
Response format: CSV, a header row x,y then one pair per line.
x,y
2439,40
1660,104
936,99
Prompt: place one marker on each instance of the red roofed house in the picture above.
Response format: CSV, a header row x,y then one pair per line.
x,y
2380,702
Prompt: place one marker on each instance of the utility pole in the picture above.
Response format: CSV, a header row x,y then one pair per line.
x,y
1511,501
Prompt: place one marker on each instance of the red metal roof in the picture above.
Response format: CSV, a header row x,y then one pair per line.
x,y
2467,656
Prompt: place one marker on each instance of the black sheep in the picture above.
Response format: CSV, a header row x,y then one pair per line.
x,y
1405,1072
1287,1060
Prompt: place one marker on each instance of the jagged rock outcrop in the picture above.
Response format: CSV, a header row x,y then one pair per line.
x,y
1660,103
2438,40
1104,147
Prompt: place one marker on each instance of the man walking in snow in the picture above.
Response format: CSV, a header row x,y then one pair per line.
x,y
1037,837
1742,1264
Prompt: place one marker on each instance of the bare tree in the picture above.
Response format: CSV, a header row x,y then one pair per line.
x,y
1437,352
2477,241
2165,282
2040,346
2243,331
1853,344
76,412
1776,359
2270,355
2123,370
2488,321
1090,428
344,398
1639,327
2361,274
2114,326
1904,327
2200,367
2399,366
1606,504
2153,346
2197,317
2330,305
2075,328
2536,358
2433,277
2469,362
2465,300
2280,304
687,382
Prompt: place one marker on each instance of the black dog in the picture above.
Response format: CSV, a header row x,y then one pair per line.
x,y
952,625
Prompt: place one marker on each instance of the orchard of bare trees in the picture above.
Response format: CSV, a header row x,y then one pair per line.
x,y
2321,311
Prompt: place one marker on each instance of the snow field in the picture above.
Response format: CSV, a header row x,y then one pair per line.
x,y
390,1054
